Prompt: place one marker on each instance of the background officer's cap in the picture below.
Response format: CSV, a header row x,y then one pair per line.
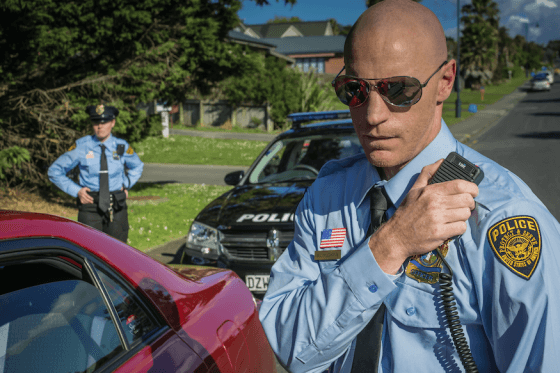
x,y
102,113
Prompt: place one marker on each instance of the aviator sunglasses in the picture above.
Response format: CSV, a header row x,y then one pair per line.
x,y
401,91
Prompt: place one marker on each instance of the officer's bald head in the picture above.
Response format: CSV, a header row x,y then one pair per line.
x,y
397,29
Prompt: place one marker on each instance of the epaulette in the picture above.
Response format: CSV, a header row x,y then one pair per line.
x,y
336,165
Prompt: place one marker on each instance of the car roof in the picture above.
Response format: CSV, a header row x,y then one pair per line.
x,y
342,123
134,265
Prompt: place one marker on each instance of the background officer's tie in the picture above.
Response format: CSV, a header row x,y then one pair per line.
x,y
368,343
103,202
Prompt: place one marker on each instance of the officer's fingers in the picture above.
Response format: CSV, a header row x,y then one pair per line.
x,y
458,200
460,187
426,174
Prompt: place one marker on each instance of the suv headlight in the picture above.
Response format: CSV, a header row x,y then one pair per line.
x,y
204,239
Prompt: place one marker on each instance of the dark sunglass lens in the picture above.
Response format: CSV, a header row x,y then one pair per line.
x,y
403,91
351,92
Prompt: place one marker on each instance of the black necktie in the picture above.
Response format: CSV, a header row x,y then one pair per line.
x,y
368,343
103,202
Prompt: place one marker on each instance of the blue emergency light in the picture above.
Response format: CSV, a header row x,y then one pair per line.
x,y
299,118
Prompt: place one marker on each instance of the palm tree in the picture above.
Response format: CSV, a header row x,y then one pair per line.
x,y
479,44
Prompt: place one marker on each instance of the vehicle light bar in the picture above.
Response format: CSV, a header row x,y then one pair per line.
x,y
299,118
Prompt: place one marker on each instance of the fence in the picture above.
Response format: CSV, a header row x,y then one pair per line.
x,y
217,114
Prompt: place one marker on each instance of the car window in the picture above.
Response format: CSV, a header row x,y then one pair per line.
x,y
58,326
134,320
302,158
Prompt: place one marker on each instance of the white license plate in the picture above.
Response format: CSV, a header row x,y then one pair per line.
x,y
257,282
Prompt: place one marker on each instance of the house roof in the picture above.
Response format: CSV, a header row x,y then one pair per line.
x,y
240,38
236,35
276,30
310,44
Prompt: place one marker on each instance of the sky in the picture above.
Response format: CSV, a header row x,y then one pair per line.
x,y
519,16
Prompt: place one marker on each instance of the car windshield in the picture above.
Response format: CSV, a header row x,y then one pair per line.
x,y
302,158
540,76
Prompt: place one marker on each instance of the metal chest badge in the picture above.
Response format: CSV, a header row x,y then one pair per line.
x,y
273,244
100,109
517,243
426,268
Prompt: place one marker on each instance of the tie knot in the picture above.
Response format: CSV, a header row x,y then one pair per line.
x,y
378,199
102,147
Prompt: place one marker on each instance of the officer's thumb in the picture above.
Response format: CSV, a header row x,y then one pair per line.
x,y
426,174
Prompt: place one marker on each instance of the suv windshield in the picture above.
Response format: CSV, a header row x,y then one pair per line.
x,y
302,158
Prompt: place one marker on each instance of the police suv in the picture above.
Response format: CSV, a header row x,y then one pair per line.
x,y
247,228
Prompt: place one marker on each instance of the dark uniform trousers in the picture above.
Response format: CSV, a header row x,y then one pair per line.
x,y
91,215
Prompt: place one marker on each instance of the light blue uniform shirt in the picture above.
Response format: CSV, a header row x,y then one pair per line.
x,y
87,155
313,310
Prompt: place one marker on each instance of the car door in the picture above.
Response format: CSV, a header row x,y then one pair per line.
x,y
65,310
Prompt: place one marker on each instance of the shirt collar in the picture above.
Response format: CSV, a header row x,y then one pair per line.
x,y
439,148
400,184
106,142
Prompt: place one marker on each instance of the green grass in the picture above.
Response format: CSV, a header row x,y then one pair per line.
x,y
199,151
218,129
153,224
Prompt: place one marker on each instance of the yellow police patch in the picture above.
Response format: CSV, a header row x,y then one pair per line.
x,y
72,147
517,243
130,151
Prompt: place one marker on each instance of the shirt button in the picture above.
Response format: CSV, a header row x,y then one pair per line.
x,y
410,311
373,288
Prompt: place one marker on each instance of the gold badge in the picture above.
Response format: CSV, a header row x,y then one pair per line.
x,y
517,243
99,109
130,151
426,268
72,147
327,255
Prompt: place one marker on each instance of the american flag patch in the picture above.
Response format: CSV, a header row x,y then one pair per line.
x,y
332,237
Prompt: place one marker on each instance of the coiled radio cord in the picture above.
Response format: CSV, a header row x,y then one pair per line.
x,y
451,314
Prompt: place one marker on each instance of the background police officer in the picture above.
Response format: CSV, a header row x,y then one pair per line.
x,y
103,182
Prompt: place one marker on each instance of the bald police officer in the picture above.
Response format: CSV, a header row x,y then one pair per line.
x,y
103,182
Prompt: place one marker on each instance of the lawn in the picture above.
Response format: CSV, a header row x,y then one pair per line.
x,y
155,222
199,150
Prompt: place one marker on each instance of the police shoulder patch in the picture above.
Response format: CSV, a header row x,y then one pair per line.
x,y
130,151
72,147
516,241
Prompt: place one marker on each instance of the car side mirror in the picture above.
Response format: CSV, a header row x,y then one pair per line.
x,y
233,178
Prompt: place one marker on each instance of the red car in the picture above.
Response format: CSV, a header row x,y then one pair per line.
x,y
73,299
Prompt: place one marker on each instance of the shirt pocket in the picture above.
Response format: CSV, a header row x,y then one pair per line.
x,y
417,308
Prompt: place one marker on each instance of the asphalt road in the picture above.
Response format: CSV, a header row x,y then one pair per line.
x,y
527,142
191,174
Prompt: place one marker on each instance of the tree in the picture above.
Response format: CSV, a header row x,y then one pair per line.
x,y
373,2
278,19
479,43
286,90
339,29
57,56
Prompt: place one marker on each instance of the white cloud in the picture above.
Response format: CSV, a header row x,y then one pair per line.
x,y
518,19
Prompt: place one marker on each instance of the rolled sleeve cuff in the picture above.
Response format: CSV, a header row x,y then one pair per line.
x,y
73,190
365,278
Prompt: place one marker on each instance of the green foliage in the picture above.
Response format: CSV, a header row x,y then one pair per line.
x,y
11,160
58,56
278,19
287,90
479,43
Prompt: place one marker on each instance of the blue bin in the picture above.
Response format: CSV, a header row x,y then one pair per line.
x,y
473,108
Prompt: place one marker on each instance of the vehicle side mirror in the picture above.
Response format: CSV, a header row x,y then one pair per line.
x,y
233,178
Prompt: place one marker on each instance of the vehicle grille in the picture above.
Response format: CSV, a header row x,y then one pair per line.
x,y
252,246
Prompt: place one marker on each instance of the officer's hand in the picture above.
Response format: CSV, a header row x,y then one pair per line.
x,y
429,215
125,192
84,197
